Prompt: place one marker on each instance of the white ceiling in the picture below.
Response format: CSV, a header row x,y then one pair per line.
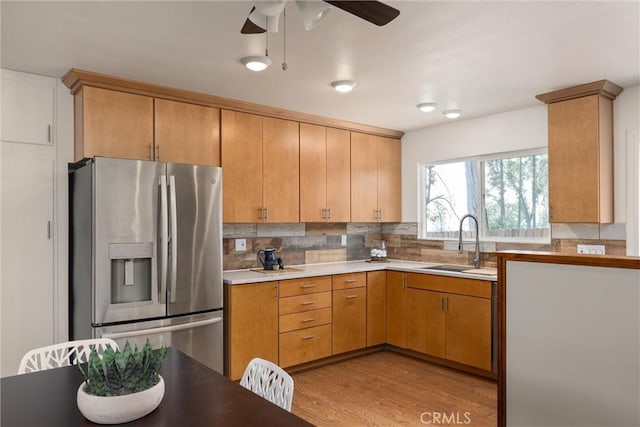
x,y
481,57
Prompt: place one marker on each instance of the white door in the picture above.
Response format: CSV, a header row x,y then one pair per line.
x,y
27,273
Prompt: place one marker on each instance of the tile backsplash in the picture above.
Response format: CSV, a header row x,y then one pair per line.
x,y
310,243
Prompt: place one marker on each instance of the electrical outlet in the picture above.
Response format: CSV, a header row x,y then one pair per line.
x,y
241,245
591,249
344,240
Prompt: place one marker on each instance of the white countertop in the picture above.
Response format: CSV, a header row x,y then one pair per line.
x,y
239,277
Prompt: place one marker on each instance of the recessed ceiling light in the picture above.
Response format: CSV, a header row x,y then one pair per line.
x,y
452,114
344,86
256,63
427,107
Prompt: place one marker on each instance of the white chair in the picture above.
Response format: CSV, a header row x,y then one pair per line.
x,y
63,354
269,381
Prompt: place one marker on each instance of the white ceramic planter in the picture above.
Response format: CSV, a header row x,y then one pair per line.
x,y
119,409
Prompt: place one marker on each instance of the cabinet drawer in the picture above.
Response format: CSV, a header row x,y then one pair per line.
x,y
452,285
305,303
307,319
305,345
304,286
351,280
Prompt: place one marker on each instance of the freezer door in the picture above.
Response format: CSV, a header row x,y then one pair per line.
x,y
199,336
195,242
126,197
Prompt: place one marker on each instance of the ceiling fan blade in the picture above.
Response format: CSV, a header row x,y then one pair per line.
x,y
250,28
375,12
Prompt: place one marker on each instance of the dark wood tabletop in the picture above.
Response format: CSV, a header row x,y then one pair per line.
x,y
194,395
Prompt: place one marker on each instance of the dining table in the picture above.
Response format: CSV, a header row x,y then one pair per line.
x,y
195,395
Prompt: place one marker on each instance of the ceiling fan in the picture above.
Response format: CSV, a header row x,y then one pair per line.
x,y
265,14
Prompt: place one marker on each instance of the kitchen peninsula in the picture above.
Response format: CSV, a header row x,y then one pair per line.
x,y
568,339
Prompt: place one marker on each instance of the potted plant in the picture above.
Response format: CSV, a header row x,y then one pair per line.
x,y
121,385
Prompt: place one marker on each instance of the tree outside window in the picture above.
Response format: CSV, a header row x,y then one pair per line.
x,y
513,206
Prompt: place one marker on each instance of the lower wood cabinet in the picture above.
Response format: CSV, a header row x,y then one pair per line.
x,y
305,320
396,307
349,312
251,327
376,308
449,318
296,321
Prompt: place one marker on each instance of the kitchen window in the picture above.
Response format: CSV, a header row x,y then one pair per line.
x,y
508,193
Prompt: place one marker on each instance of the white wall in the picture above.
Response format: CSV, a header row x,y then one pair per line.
x,y
509,131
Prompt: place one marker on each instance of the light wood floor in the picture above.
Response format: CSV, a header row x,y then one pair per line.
x,y
389,389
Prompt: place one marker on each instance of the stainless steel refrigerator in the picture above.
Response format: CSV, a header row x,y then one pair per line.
x,y
146,255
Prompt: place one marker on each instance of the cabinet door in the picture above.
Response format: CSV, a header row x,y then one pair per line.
x,y
389,192
281,170
364,177
252,325
396,304
113,124
27,108
376,307
27,257
339,175
426,322
241,166
468,330
349,319
313,173
187,133
573,160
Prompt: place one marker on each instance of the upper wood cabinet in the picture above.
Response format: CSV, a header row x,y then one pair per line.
x,y
260,159
187,133
375,178
580,130
111,123
325,182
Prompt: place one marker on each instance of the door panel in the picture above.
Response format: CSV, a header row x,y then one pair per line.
x,y
425,322
126,194
27,258
199,239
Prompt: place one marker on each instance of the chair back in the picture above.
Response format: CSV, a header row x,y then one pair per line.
x,y
269,381
63,354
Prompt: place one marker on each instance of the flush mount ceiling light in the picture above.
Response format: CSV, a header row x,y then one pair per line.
x,y
452,114
343,86
427,107
256,63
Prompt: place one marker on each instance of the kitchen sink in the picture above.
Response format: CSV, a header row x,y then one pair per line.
x,y
448,267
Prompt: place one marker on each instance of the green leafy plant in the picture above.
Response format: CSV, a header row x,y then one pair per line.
x,y
118,372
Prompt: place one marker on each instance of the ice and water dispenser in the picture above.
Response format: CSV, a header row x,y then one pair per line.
x,y
131,278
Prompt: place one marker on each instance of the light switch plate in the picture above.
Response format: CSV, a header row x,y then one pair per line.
x,y
344,240
241,245
591,249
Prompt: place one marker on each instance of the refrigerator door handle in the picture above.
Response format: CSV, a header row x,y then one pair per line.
x,y
164,246
174,236
162,329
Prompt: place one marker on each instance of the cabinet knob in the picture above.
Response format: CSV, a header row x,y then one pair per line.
x,y
308,337
308,303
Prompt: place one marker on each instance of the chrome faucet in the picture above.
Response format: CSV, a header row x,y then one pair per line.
x,y
476,259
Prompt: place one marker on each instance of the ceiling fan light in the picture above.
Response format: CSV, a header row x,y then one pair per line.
x,y
312,12
256,63
343,86
452,114
427,107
